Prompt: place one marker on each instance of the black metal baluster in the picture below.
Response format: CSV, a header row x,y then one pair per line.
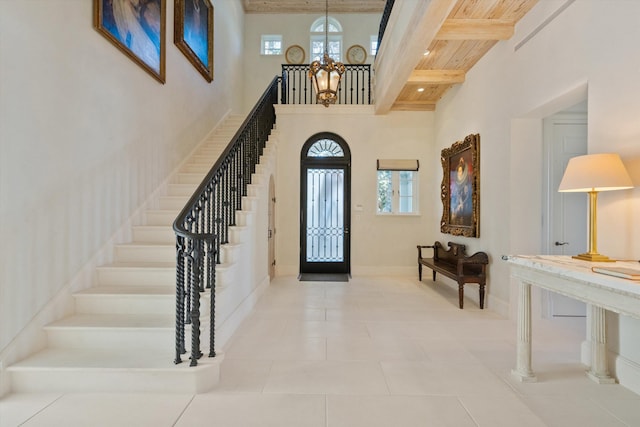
x,y
212,306
180,295
203,224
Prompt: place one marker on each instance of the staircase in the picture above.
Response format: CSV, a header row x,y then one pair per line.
x,y
122,335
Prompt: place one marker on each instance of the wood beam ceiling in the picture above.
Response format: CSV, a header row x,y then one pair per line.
x,y
476,29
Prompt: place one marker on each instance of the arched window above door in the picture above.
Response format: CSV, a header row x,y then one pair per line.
x,y
325,148
326,145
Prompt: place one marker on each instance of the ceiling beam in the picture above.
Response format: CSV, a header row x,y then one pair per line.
x,y
436,77
411,29
475,29
313,6
414,106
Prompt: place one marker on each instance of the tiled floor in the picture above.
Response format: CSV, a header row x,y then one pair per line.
x,y
371,352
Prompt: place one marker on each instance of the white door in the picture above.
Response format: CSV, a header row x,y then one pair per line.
x,y
566,231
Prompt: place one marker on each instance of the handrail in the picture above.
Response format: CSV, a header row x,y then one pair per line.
x,y
384,20
355,85
203,224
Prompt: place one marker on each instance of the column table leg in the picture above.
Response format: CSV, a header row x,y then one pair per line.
x,y
599,371
523,370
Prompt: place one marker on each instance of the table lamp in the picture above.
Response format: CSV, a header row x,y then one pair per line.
x,y
591,174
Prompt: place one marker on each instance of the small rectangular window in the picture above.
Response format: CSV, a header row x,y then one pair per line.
x,y
373,45
397,187
271,44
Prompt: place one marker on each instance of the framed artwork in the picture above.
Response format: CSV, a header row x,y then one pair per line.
x,y
356,54
193,34
294,54
137,28
460,189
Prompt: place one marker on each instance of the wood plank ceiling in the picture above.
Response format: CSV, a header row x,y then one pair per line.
x,y
471,29
313,6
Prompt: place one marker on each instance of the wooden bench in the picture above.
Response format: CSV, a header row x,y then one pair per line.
x,y
455,264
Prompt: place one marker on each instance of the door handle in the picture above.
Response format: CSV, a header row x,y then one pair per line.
x,y
346,230
561,243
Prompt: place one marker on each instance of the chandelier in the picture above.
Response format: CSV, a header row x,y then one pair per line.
x,y
326,74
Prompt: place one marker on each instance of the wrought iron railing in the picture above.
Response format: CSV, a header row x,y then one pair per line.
x,y
384,20
203,225
355,86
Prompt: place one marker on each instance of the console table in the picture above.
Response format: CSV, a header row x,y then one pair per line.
x,y
573,278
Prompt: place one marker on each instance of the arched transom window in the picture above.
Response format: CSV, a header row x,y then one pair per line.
x,y
325,148
334,47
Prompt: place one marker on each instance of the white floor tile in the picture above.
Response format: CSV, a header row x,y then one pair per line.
x,y
255,410
369,352
243,376
506,411
96,410
326,377
18,408
349,348
397,411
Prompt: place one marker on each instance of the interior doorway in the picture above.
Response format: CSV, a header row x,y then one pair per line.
x,y
325,200
565,232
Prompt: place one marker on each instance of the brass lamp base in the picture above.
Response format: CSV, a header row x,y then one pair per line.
x,y
592,257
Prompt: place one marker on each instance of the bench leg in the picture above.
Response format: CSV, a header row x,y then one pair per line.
x,y
434,275
461,294
481,295
420,272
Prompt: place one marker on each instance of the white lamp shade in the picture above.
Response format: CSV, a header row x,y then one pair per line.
x,y
595,172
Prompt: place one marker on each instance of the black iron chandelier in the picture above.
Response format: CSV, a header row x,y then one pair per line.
x,y
326,74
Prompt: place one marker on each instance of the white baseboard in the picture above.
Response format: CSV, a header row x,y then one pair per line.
x,y
626,371
225,331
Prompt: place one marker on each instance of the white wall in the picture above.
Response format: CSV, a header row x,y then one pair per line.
x,y
591,48
379,244
86,136
294,28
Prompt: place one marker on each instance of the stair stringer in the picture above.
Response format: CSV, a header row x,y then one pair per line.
x,y
235,301
52,369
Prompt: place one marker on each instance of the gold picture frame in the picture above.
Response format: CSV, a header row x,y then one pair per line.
x,y
138,30
193,34
295,54
460,189
356,54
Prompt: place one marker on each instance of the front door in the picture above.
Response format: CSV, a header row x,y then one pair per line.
x,y
325,205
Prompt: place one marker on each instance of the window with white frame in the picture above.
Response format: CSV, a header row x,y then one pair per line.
x,y
333,37
271,44
373,45
397,187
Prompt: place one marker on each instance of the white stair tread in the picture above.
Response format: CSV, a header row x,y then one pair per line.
x,y
130,290
106,359
142,264
146,245
133,321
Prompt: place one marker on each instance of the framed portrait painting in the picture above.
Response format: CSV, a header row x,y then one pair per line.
x,y
460,189
193,34
137,28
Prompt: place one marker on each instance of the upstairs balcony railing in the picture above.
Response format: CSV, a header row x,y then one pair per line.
x,y
355,85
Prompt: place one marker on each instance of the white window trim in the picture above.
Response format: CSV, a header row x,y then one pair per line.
x,y
270,37
373,41
395,196
321,38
